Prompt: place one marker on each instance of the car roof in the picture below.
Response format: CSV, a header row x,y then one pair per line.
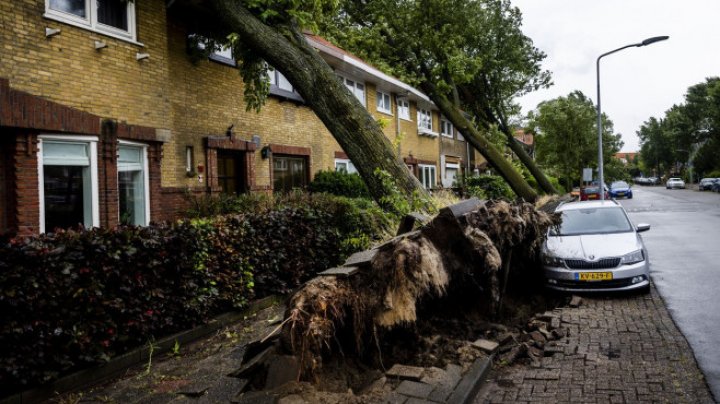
x,y
607,203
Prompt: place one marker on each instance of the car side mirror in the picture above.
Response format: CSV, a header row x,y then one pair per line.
x,y
643,227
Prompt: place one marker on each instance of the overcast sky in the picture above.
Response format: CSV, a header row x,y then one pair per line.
x,y
636,83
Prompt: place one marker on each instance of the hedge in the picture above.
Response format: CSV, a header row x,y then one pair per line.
x,y
74,298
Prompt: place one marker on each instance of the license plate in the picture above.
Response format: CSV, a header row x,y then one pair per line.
x,y
593,276
621,193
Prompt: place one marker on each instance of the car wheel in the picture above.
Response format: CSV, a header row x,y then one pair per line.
x,y
629,197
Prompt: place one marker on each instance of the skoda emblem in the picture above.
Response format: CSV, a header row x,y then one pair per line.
x,y
592,257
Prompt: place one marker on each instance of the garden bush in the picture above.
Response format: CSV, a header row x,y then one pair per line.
x,y
75,298
339,183
488,187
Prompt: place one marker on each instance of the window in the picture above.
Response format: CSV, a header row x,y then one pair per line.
x,y
189,159
133,192
383,103
111,17
446,127
403,107
427,175
68,189
424,118
280,85
356,88
289,172
345,165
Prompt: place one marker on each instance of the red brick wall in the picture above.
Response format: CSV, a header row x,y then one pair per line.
x,y
25,213
4,185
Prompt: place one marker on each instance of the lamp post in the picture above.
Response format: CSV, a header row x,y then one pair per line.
x,y
601,173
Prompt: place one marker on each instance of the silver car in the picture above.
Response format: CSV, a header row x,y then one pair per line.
x,y
675,183
596,248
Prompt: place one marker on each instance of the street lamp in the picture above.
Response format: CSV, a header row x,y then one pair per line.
x,y
601,173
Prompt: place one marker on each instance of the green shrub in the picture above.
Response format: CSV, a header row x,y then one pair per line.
x,y
713,174
488,187
339,183
75,298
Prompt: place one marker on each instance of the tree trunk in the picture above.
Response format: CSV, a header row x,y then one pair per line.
x,y
481,144
348,121
525,158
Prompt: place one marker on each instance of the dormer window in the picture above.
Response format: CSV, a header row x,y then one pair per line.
x,y
110,17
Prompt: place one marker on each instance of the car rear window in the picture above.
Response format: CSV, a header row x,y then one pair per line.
x,y
593,221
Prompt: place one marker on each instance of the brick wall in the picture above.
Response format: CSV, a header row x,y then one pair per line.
x,y
67,69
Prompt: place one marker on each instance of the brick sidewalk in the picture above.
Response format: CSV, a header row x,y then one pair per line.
x,y
620,349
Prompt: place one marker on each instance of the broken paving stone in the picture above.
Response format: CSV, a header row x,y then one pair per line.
x,y
361,258
196,388
292,399
575,301
255,348
342,272
486,345
253,364
545,333
535,353
404,372
554,323
440,378
538,337
282,369
414,389
506,338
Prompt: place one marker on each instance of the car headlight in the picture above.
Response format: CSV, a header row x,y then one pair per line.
x,y
633,257
553,261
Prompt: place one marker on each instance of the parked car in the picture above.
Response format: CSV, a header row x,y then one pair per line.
x,y
620,189
674,182
706,184
715,185
591,193
596,248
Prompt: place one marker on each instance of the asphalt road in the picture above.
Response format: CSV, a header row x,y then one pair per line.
x,y
684,248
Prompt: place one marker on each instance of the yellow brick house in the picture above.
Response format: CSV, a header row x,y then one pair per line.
x,y
106,119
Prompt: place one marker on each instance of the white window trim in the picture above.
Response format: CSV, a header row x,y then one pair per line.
x,y
387,111
421,169
348,163
94,192
345,79
422,130
146,177
91,23
406,103
442,128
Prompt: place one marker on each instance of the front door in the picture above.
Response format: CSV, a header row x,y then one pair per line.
x,y
231,178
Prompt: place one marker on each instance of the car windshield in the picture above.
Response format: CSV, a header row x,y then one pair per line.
x,y
675,179
619,184
593,221
592,190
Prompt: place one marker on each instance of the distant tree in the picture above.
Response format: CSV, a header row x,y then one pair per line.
x,y
566,136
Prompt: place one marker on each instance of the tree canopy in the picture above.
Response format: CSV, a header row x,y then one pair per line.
x,y
566,136
470,57
689,133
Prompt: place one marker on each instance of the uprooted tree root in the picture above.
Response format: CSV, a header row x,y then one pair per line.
x,y
463,251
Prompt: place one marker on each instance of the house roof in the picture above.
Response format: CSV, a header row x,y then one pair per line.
x,y
346,62
524,137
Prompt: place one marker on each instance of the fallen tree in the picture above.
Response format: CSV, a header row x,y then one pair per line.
x,y
465,251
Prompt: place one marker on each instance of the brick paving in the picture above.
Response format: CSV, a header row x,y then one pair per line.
x,y
619,349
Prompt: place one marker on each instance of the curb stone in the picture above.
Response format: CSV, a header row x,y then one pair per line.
x,y
469,385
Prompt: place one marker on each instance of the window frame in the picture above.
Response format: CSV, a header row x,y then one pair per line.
x,y
423,175
381,95
349,166
427,118
346,82
443,123
146,177
92,143
403,108
91,23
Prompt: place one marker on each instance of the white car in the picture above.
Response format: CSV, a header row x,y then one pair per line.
x,y
675,183
596,248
